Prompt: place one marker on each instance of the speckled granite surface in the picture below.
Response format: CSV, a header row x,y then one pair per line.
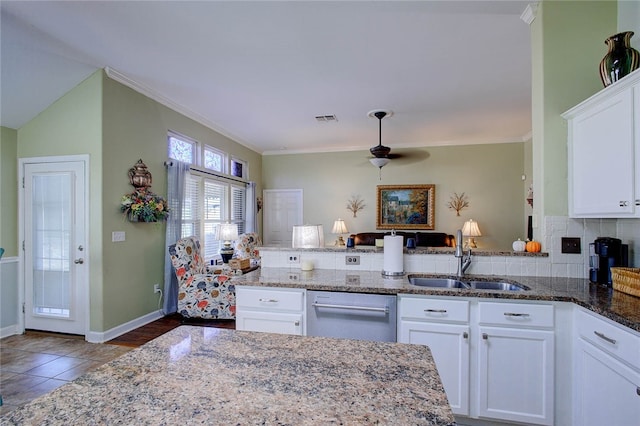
x,y
417,250
620,307
199,375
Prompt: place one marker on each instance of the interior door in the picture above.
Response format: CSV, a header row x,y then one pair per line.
x,y
55,252
282,210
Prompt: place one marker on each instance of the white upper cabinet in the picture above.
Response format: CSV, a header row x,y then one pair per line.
x,y
604,152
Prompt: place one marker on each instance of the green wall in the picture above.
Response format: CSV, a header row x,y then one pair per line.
x,y
135,127
490,176
567,47
9,191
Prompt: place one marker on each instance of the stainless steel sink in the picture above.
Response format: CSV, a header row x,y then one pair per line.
x,y
497,285
437,282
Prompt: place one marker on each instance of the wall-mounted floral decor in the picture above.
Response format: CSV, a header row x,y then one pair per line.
x,y
355,204
142,205
458,202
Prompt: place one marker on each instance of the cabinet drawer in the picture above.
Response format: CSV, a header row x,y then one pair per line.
x,y
609,337
435,309
270,299
516,314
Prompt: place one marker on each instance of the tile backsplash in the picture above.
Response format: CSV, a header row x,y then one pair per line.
x,y
556,264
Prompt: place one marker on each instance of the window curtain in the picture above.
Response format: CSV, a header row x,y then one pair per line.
x,y
251,219
176,176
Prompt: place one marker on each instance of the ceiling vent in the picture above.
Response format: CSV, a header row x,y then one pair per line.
x,y
323,118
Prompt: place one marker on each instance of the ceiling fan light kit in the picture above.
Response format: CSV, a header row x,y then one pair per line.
x,y
380,152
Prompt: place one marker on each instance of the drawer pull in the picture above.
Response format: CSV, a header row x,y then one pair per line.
x,y
465,335
515,314
269,300
297,323
603,337
638,390
485,336
624,203
437,311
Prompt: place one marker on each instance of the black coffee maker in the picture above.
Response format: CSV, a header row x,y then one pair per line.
x,y
604,253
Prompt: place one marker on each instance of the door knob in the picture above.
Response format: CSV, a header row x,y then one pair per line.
x,y
79,261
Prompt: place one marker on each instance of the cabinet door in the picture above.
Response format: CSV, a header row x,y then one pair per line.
x,y
606,391
449,345
269,322
601,159
516,375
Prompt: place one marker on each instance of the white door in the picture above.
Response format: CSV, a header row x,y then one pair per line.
x,y
282,210
55,250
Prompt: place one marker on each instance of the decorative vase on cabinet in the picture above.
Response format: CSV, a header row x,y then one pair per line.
x,y
620,60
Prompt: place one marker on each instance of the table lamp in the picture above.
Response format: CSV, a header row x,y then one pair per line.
x,y
307,236
227,232
339,228
470,229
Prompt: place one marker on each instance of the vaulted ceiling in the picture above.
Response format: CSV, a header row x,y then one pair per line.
x,y
260,72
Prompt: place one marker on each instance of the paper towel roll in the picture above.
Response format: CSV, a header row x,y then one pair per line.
x,y
392,264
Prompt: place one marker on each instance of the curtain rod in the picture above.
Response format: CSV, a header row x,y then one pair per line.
x,y
170,163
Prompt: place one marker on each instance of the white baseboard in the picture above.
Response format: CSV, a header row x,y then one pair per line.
x,y
8,331
101,337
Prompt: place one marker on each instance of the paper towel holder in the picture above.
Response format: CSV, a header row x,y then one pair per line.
x,y
393,274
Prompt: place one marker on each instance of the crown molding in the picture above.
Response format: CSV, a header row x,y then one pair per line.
x,y
160,98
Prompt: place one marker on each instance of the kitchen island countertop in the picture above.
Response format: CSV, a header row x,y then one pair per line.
x,y
617,306
201,375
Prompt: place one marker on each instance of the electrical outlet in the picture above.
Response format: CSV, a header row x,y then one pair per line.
x,y
352,260
293,259
156,288
353,279
118,236
570,245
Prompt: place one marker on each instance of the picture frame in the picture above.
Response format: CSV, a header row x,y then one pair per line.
x,y
403,207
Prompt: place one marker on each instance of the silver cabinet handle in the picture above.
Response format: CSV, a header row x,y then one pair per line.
x,y
624,203
268,300
437,311
514,314
297,323
384,309
638,390
465,335
637,202
79,261
485,336
603,337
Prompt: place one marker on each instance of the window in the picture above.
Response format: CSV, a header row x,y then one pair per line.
x,y
238,168
209,200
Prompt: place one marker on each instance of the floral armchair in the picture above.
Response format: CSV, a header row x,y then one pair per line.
x,y
245,246
200,294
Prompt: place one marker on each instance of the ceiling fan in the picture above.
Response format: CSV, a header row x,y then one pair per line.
x,y
381,154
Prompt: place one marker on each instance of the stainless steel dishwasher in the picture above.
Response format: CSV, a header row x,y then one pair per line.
x,y
351,315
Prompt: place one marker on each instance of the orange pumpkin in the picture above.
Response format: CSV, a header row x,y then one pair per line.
x,y
533,247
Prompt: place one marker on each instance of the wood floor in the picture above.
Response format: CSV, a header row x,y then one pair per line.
x,y
142,335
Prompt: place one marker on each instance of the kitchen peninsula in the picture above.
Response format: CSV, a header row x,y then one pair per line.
x,y
199,375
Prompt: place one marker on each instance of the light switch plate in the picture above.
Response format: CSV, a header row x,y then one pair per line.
x,y
118,236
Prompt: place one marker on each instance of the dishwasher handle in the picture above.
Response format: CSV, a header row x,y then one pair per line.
x,y
384,309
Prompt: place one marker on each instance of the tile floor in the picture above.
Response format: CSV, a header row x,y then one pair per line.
x,y
34,364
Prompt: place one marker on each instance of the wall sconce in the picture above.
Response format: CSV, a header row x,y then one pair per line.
x,y
470,229
339,228
307,236
227,232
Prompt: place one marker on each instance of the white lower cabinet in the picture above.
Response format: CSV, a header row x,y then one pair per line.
x,y
495,359
607,373
443,326
270,309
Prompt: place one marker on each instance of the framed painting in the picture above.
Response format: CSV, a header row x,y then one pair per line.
x,y
406,207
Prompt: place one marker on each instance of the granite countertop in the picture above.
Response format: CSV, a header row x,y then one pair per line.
x,y
200,375
619,307
417,250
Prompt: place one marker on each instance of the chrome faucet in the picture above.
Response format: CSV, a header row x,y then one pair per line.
x,y
464,261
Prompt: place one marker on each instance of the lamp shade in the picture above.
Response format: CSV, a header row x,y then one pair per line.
x,y
227,232
307,236
339,227
470,229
